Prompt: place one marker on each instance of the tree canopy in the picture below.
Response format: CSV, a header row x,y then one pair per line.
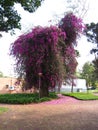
x,y
9,17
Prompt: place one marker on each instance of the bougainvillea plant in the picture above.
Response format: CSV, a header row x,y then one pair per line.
x,y
73,26
48,51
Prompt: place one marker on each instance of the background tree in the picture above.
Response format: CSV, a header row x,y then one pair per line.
x,y
48,51
9,17
88,73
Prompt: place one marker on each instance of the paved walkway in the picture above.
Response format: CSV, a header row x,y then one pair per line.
x,y
65,113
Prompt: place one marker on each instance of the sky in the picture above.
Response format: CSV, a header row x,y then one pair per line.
x,y
49,13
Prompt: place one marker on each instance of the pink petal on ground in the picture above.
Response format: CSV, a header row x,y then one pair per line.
x,y
62,100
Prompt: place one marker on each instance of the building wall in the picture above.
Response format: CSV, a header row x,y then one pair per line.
x,y
6,81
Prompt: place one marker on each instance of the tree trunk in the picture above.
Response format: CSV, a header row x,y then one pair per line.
x,y
43,92
72,85
72,88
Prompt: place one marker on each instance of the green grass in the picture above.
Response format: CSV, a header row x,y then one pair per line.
x,y
24,98
3,109
82,96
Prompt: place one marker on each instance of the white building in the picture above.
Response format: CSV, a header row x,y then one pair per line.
x,y
79,87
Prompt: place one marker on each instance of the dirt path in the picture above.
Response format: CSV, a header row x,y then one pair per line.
x,y
65,113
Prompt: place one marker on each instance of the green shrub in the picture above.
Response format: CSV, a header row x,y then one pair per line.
x,y
82,96
24,98
44,99
53,95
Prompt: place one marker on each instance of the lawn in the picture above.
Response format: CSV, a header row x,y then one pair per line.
x,y
82,96
93,91
3,109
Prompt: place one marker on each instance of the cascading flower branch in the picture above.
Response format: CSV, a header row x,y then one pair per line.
x,y
73,26
70,61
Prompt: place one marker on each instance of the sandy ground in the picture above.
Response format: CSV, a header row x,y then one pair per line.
x,y
65,113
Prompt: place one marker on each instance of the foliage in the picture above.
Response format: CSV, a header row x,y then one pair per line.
x,y
83,96
24,98
48,50
9,17
91,30
3,109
